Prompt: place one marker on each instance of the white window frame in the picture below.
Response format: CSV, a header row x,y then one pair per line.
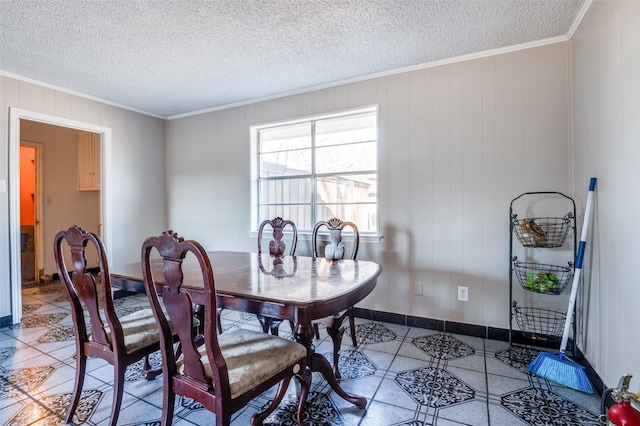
x,y
305,233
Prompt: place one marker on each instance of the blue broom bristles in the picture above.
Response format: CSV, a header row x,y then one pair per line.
x,y
559,368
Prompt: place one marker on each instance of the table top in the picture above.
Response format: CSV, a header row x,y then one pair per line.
x,y
291,280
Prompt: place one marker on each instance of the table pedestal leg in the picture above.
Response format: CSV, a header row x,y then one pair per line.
x,y
321,364
304,335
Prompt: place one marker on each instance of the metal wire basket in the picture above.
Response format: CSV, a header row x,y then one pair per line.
x,y
541,277
540,324
542,231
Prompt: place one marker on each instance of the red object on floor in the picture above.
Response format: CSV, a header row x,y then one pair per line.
x,y
623,414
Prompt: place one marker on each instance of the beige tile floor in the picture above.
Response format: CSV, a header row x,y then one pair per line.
x,y
410,376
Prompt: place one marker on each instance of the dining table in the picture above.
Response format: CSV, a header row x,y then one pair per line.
x,y
297,288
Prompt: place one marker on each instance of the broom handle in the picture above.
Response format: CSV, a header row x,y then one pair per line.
x,y
579,258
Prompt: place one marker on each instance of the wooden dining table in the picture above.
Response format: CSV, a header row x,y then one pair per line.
x,y
297,288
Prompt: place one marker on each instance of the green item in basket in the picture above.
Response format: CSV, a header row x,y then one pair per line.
x,y
543,282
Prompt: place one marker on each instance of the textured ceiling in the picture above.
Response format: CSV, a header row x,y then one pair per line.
x,y
174,57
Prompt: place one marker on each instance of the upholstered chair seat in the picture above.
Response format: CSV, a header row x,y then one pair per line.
x,y
252,357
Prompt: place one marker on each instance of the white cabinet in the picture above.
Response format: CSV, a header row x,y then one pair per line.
x,y
88,161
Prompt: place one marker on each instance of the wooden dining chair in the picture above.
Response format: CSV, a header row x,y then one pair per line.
x,y
277,248
335,250
231,368
120,341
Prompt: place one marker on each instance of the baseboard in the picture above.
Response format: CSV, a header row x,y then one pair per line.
x,y
5,321
482,331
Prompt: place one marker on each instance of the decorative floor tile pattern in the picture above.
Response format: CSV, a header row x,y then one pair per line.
x,y
353,364
320,411
434,387
410,377
443,346
373,332
544,407
57,405
44,320
518,357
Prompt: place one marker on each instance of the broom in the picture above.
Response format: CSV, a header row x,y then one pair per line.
x,y
558,367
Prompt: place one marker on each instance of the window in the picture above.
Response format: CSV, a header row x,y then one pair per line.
x,y
317,169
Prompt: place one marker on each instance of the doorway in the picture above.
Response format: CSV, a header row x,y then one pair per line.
x,y
16,116
30,208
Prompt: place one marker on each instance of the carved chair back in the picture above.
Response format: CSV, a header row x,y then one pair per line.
x,y
335,249
277,246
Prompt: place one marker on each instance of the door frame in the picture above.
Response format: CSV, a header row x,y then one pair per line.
x,y
37,219
15,115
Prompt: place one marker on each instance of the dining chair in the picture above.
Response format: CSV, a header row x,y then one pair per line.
x,y
232,367
277,248
335,249
120,341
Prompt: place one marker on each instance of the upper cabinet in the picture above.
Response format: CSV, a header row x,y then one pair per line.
x,y
88,161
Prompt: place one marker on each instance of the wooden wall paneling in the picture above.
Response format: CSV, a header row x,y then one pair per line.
x,y
76,108
305,104
49,101
415,237
31,97
5,289
473,249
554,122
340,98
531,86
460,311
319,101
290,107
398,195
441,174
493,215
62,105
378,298
365,93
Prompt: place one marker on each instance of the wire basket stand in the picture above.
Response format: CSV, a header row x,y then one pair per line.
x,y
540,232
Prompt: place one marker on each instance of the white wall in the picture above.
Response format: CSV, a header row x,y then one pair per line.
x,y
606,144
138,201
457,144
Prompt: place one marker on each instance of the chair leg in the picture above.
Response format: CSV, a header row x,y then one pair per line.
x,y
265,323
81,369
118,388
270,324
275,326
258,418
150,373
352,326
316,330
168,403
219,321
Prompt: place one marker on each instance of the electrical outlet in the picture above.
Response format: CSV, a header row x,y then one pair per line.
x,y
463,294
417,288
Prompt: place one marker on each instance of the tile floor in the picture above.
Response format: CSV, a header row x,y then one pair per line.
x,y
410,376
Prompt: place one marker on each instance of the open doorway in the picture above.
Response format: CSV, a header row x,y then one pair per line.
x,y
102,197
70,167
30,186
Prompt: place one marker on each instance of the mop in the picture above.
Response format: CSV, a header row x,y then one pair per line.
x,y
557,366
